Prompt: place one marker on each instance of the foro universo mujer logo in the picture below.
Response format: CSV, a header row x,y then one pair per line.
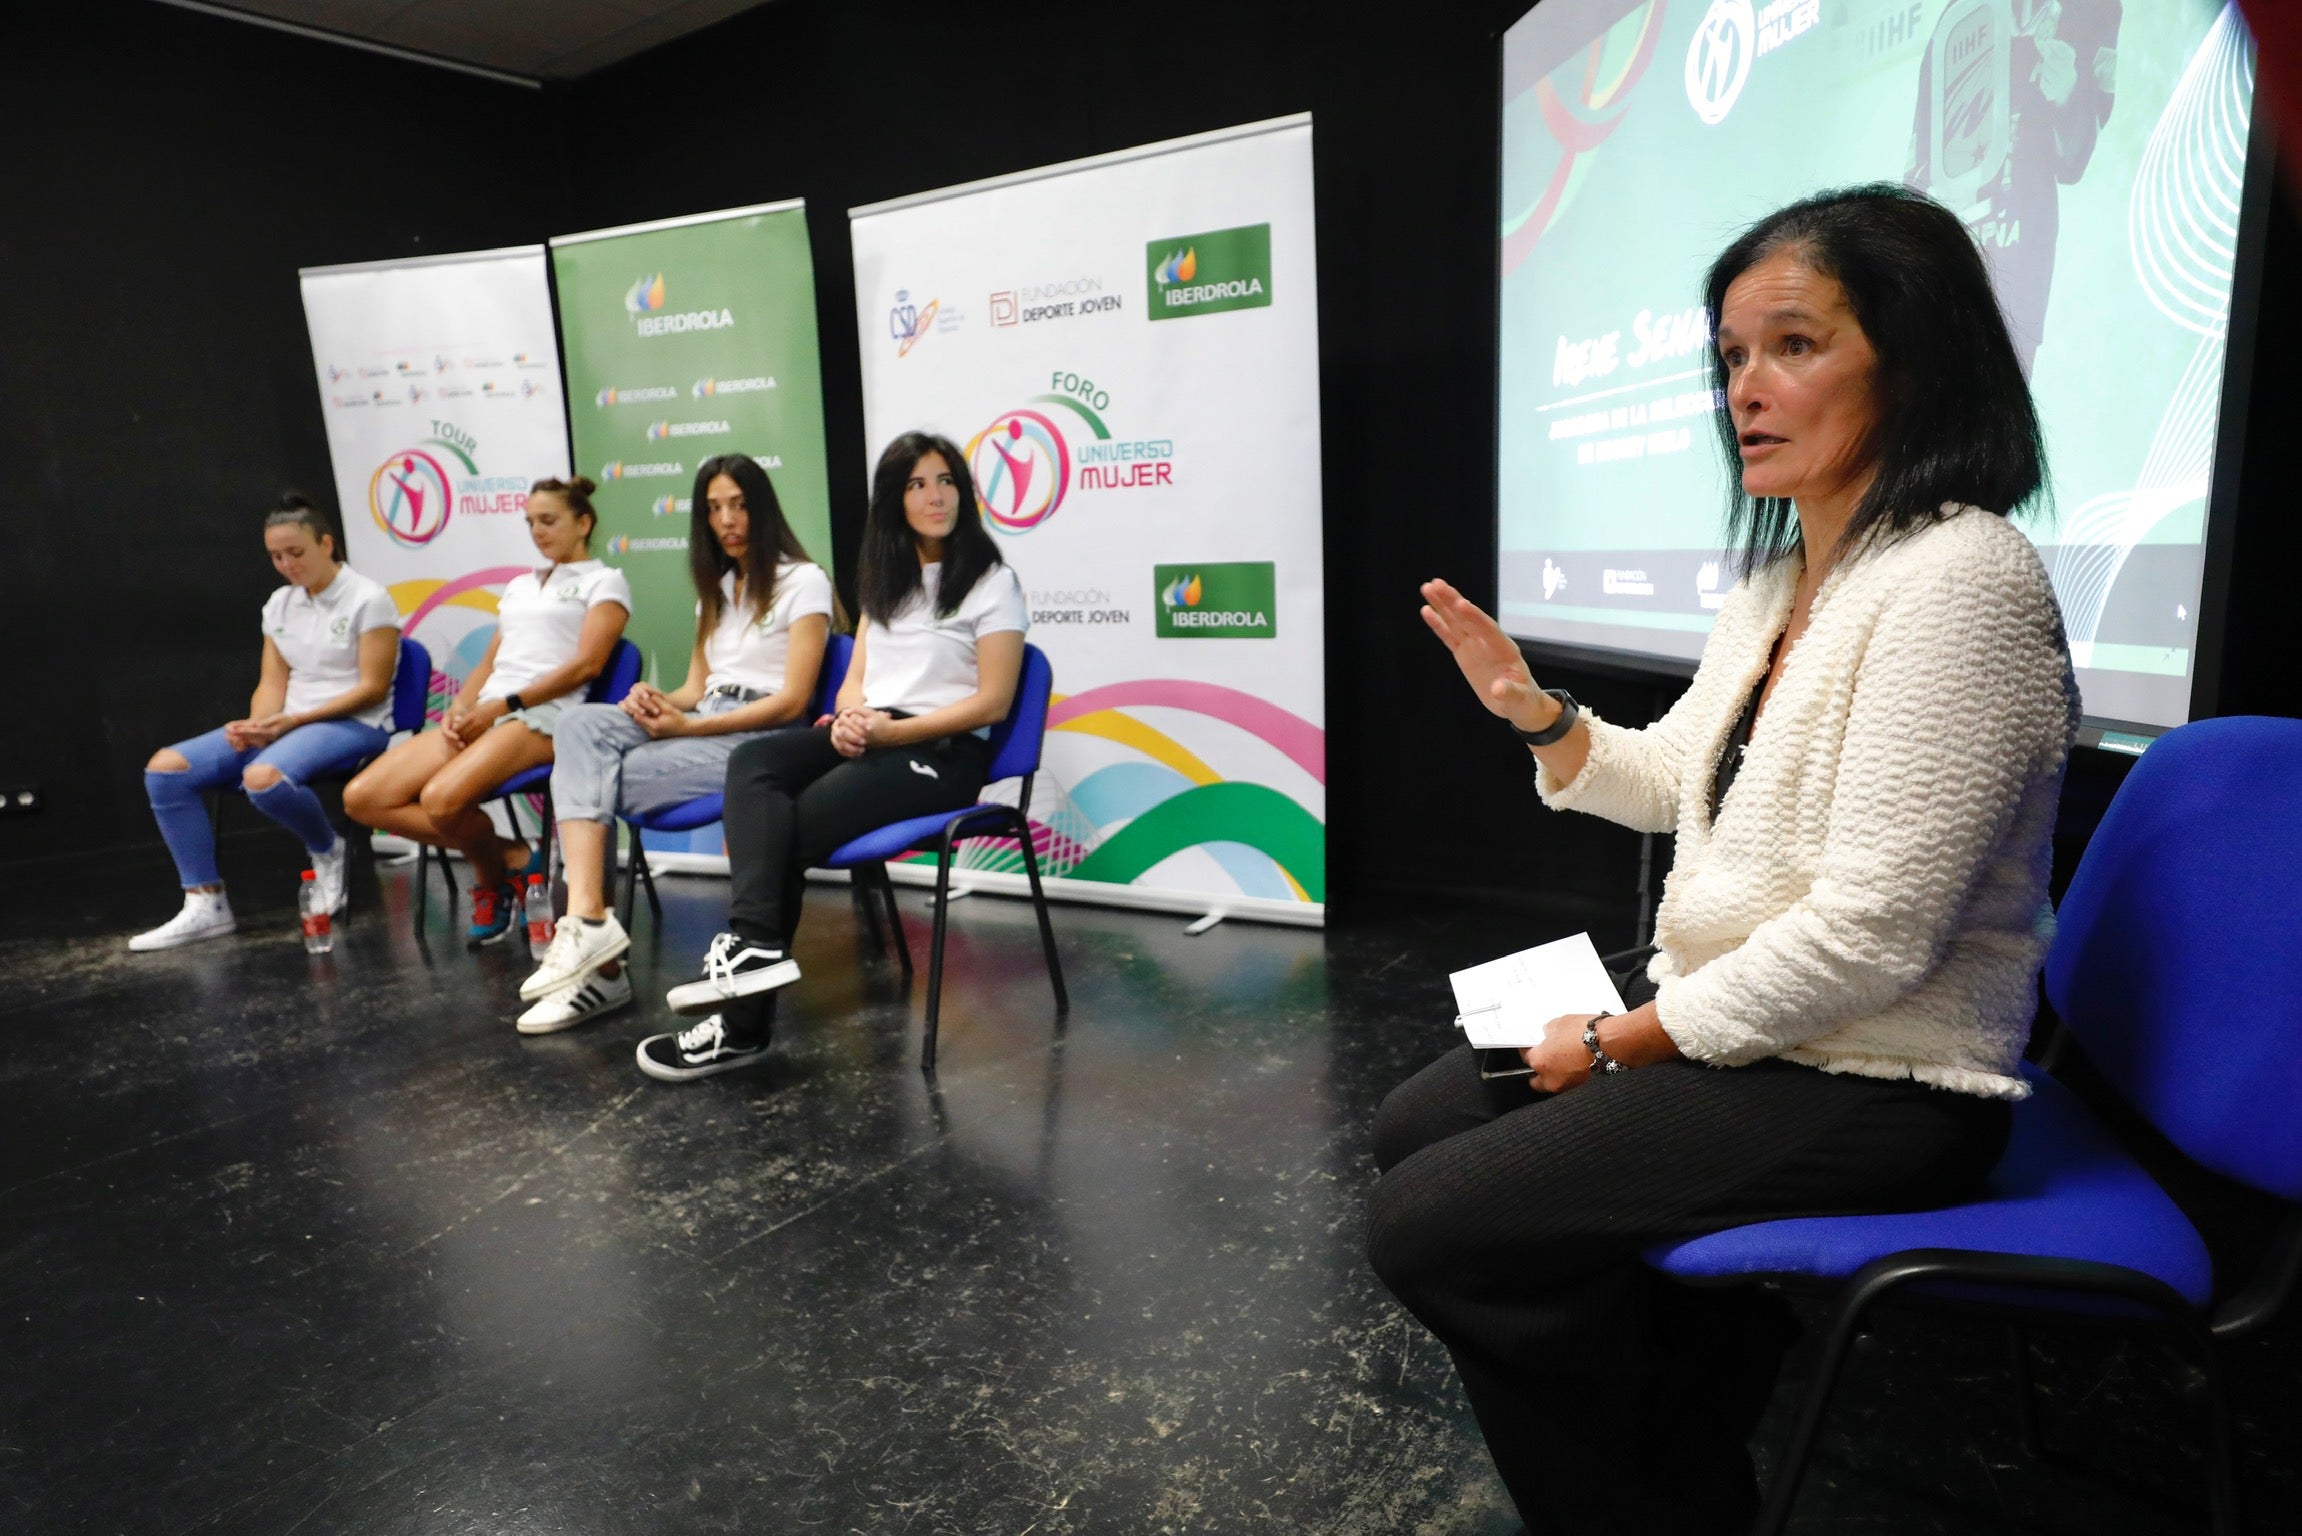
x,y
1022,469
408,497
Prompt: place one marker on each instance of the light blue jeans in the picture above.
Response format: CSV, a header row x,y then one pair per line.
x,y
324,746
605,766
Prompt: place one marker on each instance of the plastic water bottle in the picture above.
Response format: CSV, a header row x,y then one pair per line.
x,y
319,927
539,916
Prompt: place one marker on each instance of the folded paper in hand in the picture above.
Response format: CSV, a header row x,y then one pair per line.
x,y
1507,1002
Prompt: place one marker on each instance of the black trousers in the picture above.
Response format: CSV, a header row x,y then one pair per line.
x,y
792,800
1510,1223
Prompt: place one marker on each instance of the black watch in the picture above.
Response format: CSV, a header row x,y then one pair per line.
x,y
1569,713
512,703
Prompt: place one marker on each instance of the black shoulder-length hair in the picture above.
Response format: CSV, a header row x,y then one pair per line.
x,y
770,542
1956,422
890,563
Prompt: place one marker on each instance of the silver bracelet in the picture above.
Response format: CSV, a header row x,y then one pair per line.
x,y
1601,1062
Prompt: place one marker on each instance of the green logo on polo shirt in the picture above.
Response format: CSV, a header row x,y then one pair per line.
x,y
341,627
1232,600
1207,274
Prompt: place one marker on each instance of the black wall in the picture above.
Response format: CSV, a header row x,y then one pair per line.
x,y
167,175
843,102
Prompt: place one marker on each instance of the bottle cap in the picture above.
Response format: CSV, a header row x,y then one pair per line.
x,y
310,875
535,879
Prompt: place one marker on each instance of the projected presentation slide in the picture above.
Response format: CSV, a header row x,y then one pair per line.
x,y
2097,151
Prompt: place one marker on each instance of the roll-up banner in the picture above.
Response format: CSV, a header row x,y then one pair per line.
x,y
1126,349
440,386
687,339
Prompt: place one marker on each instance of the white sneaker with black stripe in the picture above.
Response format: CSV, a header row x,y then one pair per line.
x,y
733,967
579,1002
577,949
700,1050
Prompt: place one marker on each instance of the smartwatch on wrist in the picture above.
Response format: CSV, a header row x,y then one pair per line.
x,y
1556,731
512,703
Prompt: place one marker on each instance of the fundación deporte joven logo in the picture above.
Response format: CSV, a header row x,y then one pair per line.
x,y
1227,600
1210,273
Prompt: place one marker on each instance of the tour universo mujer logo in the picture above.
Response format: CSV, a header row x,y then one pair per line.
x,y
1719,59
408,496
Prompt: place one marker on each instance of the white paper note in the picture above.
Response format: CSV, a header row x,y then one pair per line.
x,y
1507,1002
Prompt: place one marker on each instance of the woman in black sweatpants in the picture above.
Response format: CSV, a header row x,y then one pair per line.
x,y
937,659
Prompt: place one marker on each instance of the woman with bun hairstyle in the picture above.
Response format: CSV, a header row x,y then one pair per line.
x,y
323,703
763,614
937,657
556,627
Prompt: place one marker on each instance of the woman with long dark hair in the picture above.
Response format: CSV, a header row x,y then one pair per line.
x,y
323,703
1862,778
763,612
556,627
938,653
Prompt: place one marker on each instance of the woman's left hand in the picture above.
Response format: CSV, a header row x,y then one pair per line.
x,y
665,722
262,733
1560,1062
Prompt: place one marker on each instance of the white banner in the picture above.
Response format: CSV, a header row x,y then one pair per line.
x,y
1127,350
440,384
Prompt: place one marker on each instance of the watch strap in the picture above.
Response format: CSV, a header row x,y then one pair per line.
x,y
1556,731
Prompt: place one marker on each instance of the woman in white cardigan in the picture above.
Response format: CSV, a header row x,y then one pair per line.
x,y
1862,781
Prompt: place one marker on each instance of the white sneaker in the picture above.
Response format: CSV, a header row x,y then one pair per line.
x,y
582,1000
206,915
732,968
578,948
328,875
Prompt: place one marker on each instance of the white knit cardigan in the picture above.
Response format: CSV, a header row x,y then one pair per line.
x,y
1873,896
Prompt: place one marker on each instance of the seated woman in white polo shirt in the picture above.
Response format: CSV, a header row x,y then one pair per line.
x,y
763,614
323,704
937,657
555,630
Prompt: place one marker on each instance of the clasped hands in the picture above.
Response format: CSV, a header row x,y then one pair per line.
x,y
652,710
247,735
464,723
856,730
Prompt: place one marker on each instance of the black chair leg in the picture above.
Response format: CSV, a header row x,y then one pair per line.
x,y
2221,1478
935,955
1783,1488
864,896
894,917
1046,925
2025,1394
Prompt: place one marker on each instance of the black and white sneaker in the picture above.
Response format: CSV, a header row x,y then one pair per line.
x,y
580,1001
701,1050
733,967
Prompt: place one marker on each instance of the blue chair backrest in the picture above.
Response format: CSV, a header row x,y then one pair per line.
x,y
2177,962
1016,740
616,678
411,685
838,651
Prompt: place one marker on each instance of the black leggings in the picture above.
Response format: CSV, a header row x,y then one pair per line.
x,y
792,800
1511,1223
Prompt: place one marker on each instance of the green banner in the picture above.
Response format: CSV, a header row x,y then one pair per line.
x,y
1209,274
685,340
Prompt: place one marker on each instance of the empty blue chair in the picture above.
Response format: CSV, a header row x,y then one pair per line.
x,y
614,681
1015,747
702,811
2177,968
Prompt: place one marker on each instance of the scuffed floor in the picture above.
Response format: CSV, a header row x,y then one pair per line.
x,y
322,1245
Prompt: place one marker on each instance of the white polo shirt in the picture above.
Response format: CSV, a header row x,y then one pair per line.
x,y
743,652
539,620
319,637
917,662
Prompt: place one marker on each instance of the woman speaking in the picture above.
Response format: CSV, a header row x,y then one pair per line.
x,y
1862,779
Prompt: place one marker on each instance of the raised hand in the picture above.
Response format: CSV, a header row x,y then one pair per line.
x,y
1490,659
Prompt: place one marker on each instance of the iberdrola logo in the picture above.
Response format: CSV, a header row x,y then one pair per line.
x,y
1183,592
1179,267
646,295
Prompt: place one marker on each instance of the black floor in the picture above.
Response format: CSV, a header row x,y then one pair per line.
x,y
294,1245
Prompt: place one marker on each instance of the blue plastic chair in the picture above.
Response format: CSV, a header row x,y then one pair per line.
x,y
702,811
614,681
1015,749
411,691
2177,968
